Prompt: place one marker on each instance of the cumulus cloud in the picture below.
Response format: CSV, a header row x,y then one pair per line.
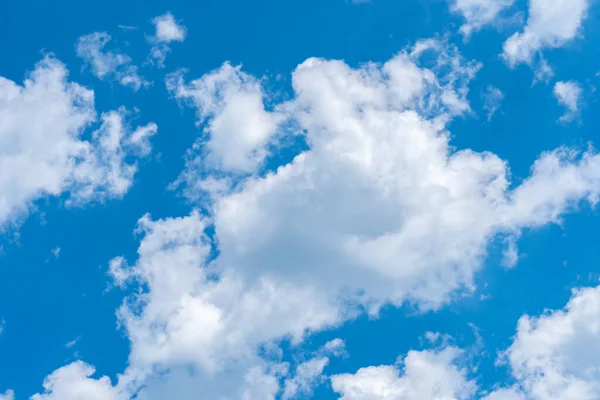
x,y
8,395
73,382
568,95
42,152
555,355
377,209
106,64
167,30
478,13
428,374
551,24
238,128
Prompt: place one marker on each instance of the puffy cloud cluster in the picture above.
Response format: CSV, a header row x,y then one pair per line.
x,y
106,64
377,209
42,152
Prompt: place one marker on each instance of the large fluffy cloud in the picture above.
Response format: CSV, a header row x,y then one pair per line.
x,y
378,208
42,152
550,24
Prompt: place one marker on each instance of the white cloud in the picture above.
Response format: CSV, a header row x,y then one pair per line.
x,y
551,24
42,152
379,204
73,382
108,64
555,355
238,128
105,173
167,30
492,97
478,13
55,252
506,394
422,375
543,72
568,95
378,209
510,255
8,395
306,376
72,343
188,318
336,347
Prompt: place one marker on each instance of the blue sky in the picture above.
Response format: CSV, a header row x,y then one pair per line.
x,y
320,199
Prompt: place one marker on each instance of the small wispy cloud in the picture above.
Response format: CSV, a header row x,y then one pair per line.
x,y
492,98
568,95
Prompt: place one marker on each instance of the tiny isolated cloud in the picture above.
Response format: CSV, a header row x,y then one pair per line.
x,y
167,30
54,254
568,95
72,343
510,254
478,13
106,64
492,98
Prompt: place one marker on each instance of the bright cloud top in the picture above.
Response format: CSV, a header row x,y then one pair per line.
x,y
550,24
429,374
